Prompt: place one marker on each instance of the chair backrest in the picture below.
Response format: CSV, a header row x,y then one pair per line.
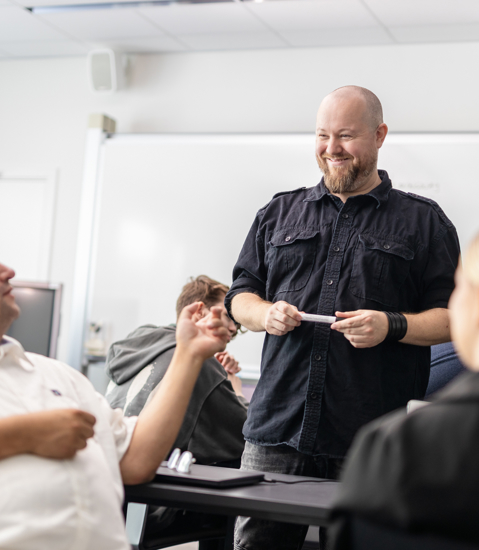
x,y
366,535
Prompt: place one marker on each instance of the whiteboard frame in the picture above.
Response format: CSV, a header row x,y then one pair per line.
x,y
49,179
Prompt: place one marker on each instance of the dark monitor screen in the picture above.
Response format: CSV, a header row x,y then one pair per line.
x,y
39,322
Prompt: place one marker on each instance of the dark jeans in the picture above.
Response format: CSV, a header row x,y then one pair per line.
x,y
258,534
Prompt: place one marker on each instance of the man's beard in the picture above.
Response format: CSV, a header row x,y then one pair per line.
x,y
350,179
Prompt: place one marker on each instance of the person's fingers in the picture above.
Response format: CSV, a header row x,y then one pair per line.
x,y
347,314
356,321
87,417
216,312
280,320
188,311
288,310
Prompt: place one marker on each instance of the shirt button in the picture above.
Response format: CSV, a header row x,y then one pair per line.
x,y
345,216
329,282
336,248
287,239
314,395
317,357
386,247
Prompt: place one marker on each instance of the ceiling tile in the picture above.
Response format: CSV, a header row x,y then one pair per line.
x,y
313,14
338,37
101,25
203,18
156,44
399,13
19,24
436,33
44,49
233,41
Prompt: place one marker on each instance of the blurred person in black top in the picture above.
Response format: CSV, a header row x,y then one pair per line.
x,y
381,260
418,472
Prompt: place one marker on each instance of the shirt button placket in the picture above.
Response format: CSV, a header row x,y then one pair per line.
x,y
326,305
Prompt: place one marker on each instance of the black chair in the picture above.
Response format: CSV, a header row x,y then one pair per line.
x,y
366,535
209,530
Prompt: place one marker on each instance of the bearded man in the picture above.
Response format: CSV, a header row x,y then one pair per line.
x,y
382,261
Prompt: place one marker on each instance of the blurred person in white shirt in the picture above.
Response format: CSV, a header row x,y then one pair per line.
x,y
65,454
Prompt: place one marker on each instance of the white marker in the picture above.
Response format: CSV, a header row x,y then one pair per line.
x,y
318,318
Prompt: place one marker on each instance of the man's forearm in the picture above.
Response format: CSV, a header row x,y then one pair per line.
x,y
160,421
427,328
250,310
15,436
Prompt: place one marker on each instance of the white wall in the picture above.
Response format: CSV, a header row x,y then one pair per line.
x,y
44,106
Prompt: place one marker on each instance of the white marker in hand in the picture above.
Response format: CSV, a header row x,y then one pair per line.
x,y
318,318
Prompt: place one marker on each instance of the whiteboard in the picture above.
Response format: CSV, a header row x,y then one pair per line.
x,y
175,206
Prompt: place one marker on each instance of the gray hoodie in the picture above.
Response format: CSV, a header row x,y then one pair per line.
x,y
212,428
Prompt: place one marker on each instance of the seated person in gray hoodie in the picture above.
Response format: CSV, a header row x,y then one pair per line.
x,y
213,423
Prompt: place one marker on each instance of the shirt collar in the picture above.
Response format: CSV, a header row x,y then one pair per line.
x,y
9,347
380,193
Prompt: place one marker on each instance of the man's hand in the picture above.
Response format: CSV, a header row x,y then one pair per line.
x,y
59,433
204,338
363,328
281,318
228,362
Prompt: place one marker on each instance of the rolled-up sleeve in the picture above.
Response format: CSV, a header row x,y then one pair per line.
x,y
121,427
438,278
249,273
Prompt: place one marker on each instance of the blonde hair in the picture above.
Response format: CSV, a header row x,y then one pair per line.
x,y
470,262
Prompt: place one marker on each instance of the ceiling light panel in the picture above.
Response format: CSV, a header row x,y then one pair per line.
x,y
71,4
394,13
203,18
313,14
100,25
18,24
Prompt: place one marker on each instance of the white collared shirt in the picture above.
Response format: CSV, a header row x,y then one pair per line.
x,y
48,504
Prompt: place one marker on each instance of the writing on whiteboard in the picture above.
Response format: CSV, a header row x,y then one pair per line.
x,y
417,187
426,189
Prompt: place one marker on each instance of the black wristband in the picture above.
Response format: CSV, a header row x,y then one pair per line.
x,y
397,326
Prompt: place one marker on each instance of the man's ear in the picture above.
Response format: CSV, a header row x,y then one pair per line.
x,y
381,133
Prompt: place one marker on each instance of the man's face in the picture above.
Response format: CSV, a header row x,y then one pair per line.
x,y
346,144
9,310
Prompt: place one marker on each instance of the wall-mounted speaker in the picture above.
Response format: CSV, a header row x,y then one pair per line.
x,y
105,71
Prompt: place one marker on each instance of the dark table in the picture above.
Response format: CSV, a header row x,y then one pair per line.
x,y
307,503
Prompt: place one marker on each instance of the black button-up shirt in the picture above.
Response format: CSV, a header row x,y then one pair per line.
x,y
386,250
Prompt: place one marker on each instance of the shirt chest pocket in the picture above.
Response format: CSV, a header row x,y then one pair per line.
x,y
380,267
290,258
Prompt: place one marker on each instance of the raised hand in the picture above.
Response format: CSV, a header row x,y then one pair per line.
x,y
228,362
204,338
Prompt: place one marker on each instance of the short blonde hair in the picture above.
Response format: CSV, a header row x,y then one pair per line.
x,y
470,262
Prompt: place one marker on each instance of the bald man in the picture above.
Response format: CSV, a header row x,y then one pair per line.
x,y
381,261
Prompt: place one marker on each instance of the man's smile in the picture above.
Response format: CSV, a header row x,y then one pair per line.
x,y
337,162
